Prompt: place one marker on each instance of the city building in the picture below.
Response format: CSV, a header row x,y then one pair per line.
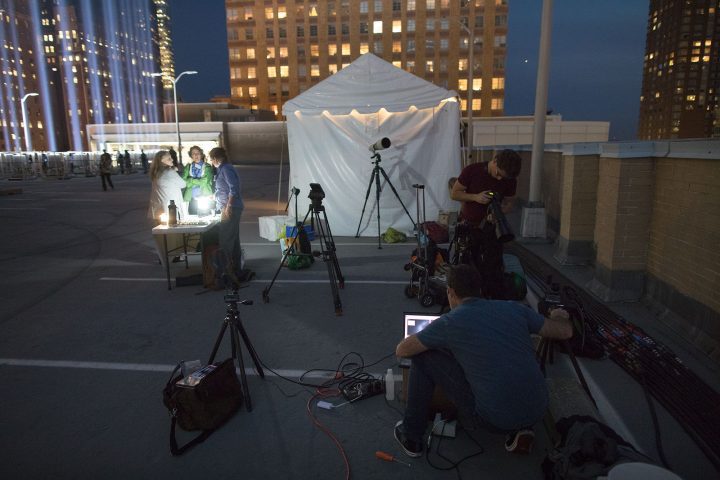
x,y
681,72
278,50
89,63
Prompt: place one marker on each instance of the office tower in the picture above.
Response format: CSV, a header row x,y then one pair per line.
x,y
280,49
90,62
681,71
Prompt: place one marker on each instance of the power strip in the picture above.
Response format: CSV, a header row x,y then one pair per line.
x,y
362,389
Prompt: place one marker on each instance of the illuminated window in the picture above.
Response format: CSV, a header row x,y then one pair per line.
x,y
314,50
314,71
695,59
462,64
269,14
690,98
283,52
251,72
284,71
282,13
332,68
272,72
410,5
235,73
346,49
397,26
462,83
252,91
250,53
498,83
397,63
477,83
430,4
377,27
397,48
364,48
248,13
332,49
429,65
706,58
497,104
270,52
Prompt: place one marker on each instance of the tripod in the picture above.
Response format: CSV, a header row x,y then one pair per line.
x,y
232,320
546,351
327,249
377,171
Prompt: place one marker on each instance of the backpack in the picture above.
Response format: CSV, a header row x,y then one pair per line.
x,y
587,449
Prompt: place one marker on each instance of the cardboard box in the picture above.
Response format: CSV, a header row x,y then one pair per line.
x,y
272,227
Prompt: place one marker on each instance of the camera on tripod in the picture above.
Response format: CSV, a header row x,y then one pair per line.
x,y
316,194
553,300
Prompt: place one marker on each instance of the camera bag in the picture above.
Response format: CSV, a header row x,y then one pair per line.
x,y
205,406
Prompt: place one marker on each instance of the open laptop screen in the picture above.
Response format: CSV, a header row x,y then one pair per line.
x,y
414,322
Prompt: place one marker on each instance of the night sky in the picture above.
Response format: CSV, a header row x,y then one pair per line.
x,y
595,74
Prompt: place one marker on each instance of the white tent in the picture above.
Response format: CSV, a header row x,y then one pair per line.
x,y
331,126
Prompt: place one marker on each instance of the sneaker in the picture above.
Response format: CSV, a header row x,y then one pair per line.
x,y
520,442
411,448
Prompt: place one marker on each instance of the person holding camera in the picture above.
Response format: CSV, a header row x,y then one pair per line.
x,y
476,187
230,204
481,355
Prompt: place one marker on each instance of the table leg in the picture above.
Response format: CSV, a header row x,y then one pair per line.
x,y
185,239
167,262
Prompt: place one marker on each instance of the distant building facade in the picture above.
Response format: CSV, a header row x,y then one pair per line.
x,y
90,62
277,50
681,72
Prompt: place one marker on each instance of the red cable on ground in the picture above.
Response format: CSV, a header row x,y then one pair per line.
x,y
323,393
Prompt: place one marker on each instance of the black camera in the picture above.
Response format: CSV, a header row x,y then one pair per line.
x,y
316,194
503,232
553,299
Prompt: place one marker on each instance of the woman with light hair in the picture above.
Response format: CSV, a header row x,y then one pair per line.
x,y
166,186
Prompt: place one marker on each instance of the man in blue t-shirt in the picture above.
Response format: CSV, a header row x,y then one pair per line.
x,y
481,355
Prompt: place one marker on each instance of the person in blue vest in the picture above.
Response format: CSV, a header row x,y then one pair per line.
x,y
228,201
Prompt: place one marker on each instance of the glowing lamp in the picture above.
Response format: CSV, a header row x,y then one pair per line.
x,y
164,218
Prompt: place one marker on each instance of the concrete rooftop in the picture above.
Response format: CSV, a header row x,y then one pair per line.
x,y
90,334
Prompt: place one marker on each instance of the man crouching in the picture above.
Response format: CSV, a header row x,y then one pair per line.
x,y
481,355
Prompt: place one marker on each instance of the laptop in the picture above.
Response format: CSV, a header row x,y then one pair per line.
x,y
412,324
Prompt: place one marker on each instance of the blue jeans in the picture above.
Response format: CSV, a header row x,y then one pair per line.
x,y
431,368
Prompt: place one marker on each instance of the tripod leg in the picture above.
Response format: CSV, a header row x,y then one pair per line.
x,y
266,291
328,256
237,355
367,195
330,242
578,372
387,179
249,346
377,200
218,340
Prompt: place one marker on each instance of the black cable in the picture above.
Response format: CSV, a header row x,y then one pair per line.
x,y
656,425
454,465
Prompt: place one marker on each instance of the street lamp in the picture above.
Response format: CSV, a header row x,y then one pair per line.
x,y
28,140
177,120
471,68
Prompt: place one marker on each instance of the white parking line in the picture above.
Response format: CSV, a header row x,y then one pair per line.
x,y
138,367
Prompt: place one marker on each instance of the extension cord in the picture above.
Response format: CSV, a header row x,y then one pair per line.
x,y
443,428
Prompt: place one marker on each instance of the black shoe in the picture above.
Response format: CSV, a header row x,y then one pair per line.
x,y
411,448
178,258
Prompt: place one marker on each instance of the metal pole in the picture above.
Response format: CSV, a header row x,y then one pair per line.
x,y
541,91
471,71
177,121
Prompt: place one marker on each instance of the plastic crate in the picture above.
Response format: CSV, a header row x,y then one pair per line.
x,y
291,231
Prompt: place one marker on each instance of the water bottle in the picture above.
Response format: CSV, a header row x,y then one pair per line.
x,y
172,213
390,385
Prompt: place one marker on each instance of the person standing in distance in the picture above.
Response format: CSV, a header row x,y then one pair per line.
x,y
475,188
229,202
106,170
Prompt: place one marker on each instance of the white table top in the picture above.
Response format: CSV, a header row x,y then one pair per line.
x,y
194,226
